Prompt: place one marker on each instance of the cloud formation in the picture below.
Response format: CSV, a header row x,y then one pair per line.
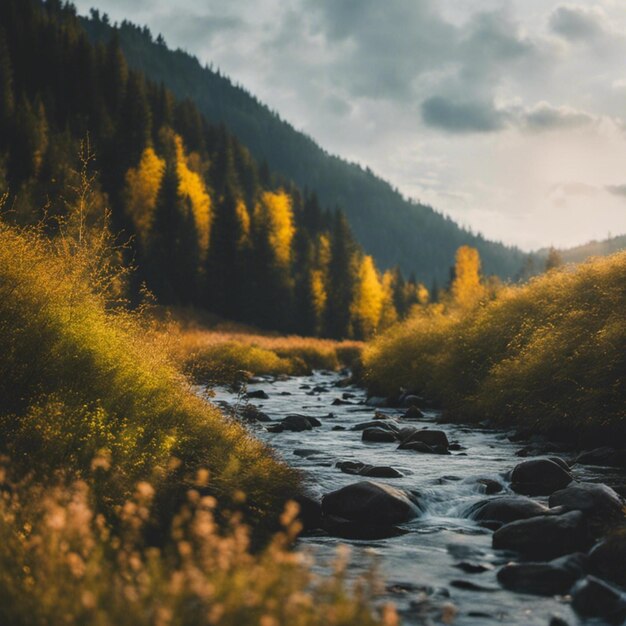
x,y
479,108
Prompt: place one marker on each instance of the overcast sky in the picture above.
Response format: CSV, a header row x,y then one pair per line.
x,y
508,115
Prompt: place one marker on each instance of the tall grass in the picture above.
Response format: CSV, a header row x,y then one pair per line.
x,y
549,355
78,381
221,352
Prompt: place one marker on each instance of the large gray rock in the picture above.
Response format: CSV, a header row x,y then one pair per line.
x,y
378,435
540,477
371,471
296,423
544,537
429,437
371,503
594,500
506,509
608,558
386,424
592,597
544,579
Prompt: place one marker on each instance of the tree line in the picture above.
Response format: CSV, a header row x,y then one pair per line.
x,y
208,225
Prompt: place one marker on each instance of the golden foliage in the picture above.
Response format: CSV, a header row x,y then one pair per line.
x,y
276,213
244,222
192,186
466,286
369,298
550,353
142,190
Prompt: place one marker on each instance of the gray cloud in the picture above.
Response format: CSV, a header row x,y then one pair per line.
x,y
545,117
617,190
462,117
578,23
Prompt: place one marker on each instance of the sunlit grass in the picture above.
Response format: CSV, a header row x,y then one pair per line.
x,y
550,354
78,381
62,563
222,352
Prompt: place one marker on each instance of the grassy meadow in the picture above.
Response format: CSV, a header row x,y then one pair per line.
x,y
214,351
548,355
125,498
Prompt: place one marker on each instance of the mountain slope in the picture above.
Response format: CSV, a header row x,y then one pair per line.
x,y
391,228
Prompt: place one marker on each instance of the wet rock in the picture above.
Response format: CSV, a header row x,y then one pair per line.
x,y
275,428
608,558
376,401
544,579
413,413
378,435
337,428
305,453
540,477
371,471
506,509
605,457
592,597
346,395
252,414
544,537
259,394
379,415
598,502
420,446
429,437
369,503
385,425
491,486
456,447
340,402
304,387
555,620
296,423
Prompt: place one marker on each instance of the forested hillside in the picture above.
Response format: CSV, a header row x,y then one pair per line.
x,y
205,224
391,228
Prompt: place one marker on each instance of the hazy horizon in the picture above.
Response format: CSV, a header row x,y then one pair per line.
x,y
507,116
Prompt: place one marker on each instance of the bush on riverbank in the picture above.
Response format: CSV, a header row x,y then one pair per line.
x,y
547,355
220,353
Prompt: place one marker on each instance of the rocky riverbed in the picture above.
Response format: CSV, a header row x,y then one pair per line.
x,y
476,523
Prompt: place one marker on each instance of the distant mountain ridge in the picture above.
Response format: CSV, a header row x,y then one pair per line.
x,y
578,254
396,231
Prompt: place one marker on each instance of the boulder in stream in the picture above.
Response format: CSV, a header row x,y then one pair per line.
x,y
599,503
369,503
592,597
429,437
379,435
259,394
371,471
506,509
605,457
540,477
544,537
544,579
296,423
608,558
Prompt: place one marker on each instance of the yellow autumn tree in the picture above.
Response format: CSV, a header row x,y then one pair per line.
x,y
367,306
277,215
192,187
388,315
467,289
142,189
243,217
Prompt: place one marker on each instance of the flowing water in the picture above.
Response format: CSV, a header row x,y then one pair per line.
x,y
419,566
